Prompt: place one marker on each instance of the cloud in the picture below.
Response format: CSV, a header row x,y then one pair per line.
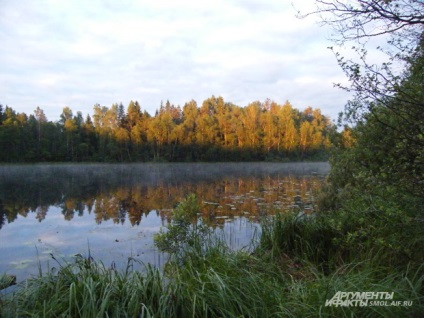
x,y
79,53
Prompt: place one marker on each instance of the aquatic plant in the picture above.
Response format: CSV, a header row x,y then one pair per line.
x,y
185,228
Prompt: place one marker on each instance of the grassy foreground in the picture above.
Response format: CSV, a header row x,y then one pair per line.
x,y
299,263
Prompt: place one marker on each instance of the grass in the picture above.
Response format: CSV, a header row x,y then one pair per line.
x,y
300,263
87,289
314,253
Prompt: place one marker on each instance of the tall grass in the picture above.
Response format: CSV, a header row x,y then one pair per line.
x,y
300,262
299,237
212,282
86,288
364,249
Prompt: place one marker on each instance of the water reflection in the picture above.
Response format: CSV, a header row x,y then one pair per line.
x,y
120,192
116,209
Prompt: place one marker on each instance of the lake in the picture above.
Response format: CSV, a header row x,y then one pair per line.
x,y
112,211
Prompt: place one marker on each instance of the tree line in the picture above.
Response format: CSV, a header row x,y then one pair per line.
x,y
215,131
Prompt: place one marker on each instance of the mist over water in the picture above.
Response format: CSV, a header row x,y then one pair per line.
x,y
113,210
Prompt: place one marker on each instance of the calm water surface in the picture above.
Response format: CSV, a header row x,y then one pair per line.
x,y
114,210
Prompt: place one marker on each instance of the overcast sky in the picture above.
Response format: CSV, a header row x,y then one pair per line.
x,y
57,53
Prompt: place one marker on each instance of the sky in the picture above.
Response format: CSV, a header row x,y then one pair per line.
x,y
78,53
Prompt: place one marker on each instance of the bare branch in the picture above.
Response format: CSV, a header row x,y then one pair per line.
x,y
355,20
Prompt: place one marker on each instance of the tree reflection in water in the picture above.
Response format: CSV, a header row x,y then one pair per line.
x,y
130,192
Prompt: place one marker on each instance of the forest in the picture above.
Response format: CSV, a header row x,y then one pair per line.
x,y
215,131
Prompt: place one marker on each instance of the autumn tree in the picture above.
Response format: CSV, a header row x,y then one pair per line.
x,y
136,126
160,131
207,126
190,114
270,125
105,121
188,130
251,123
289,135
